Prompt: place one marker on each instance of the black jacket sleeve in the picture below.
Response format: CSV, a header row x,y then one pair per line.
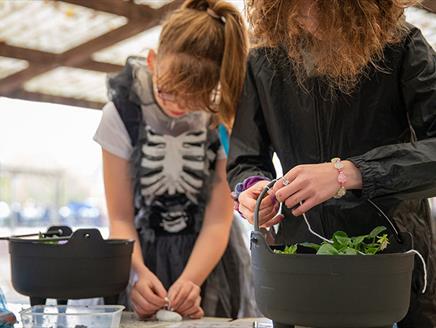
x,y
250,150
408,170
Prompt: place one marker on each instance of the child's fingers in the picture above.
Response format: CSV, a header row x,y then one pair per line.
x,y
190,301
198,314
148,294
172,293
142,312
142,306
192,310
159,289
182,293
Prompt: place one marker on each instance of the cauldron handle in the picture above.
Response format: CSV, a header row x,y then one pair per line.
x,y
258,201
270,184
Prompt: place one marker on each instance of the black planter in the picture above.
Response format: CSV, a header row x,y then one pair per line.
x,y
332,291
83,266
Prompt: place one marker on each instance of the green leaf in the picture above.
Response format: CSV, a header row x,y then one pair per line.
x,y
376,231
357,241
345,245
371,250
311,245
48,242
349,251
341,238
327,249
291,249
371,245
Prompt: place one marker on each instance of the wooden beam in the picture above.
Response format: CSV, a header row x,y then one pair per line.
x,y
73,57
35,96
14,81
117,7
169,7
80,55
42,58
430,5
31,55
127,9
84,51
93,65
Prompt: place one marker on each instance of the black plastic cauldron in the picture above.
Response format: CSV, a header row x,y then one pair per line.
x,y
331,291
71,266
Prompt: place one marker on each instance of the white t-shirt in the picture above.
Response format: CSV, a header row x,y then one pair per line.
x,y
112,134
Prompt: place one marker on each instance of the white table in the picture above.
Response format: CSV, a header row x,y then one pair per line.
x,y
130,320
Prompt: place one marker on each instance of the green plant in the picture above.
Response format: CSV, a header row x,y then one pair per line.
x,y
342,244
42,237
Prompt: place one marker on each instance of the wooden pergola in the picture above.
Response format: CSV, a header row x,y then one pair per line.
x,y
141,15
430,5
140,18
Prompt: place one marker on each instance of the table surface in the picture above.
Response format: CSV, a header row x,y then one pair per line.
x,y
130,320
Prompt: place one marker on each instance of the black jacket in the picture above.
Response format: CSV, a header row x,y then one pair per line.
x,y
372,127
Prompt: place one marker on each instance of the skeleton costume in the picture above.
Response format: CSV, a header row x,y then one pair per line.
x,y
173,166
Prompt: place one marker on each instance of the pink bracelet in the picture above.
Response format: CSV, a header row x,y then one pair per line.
x,y
342,178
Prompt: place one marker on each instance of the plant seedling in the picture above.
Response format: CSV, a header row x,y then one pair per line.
x,y
369,244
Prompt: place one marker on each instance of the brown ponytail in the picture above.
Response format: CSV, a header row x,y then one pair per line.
x,y
205,48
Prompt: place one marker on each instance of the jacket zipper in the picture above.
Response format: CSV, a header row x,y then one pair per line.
x,y
318,123
324,223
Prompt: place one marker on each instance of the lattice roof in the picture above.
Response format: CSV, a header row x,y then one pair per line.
x,y
61,51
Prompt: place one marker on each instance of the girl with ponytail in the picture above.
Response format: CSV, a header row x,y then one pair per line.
x,y
164,165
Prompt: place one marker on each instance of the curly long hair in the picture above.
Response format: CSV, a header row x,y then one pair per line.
x,y
351,35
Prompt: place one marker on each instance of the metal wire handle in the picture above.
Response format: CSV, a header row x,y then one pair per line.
x,y
259,201
270,184
63,233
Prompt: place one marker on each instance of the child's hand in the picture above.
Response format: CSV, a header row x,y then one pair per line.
x,y
184,296
148,294
268,208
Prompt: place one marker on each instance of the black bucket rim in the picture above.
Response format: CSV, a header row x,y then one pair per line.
x,y
392,225
92,234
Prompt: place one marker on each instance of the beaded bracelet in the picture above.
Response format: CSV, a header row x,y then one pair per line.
x,y
342,178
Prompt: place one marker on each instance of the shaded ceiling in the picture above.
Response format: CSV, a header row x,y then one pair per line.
x,y
61,51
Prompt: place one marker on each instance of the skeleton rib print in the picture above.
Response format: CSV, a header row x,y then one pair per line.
x,y
174,164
